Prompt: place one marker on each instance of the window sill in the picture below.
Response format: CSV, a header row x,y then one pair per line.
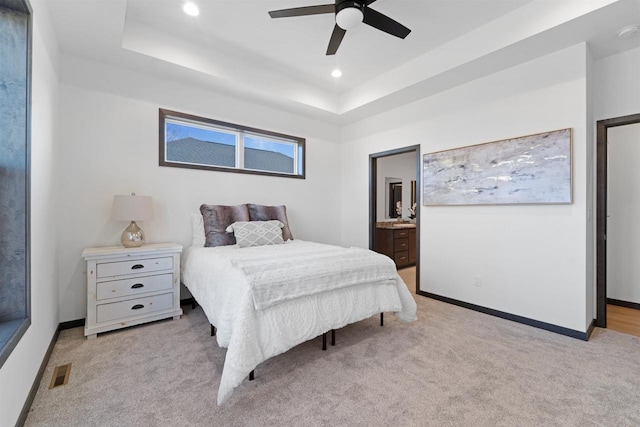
x,y
10,334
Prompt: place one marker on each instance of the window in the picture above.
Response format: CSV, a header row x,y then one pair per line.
x,y
195,142
15,311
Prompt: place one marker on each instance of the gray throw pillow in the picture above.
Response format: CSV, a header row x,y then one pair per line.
x,y
266,213
217,218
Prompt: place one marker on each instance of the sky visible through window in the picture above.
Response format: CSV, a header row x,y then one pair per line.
x,y
176,131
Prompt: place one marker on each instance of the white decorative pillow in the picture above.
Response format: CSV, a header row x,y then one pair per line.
x,y
197,230
257,233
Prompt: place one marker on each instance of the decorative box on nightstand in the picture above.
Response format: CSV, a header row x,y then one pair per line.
x,y
129,286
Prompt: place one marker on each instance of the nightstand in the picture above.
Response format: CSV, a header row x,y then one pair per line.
x,y
129,286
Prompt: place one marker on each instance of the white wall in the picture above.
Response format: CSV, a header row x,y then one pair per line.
x,y
20,369
531,258
617,85
617,94
403,167
109,145
623,228
590,237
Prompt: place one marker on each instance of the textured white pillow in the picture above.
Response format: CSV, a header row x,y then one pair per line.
x,y
257,233
197,230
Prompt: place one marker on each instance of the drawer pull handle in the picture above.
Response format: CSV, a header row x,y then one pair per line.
x,y
137,285
137,307
137,266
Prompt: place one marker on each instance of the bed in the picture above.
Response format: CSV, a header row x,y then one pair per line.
x,y
265,299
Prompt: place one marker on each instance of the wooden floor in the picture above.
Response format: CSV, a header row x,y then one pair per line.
x,y
409,276
623,319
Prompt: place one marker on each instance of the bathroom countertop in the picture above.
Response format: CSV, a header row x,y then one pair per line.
x,y
394,224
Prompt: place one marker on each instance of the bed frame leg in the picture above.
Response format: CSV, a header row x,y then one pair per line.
x,y
333,337
193,303
251,375
381,319
213,331
324,341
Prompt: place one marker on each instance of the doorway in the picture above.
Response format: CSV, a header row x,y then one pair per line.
x,y
394,210
602,214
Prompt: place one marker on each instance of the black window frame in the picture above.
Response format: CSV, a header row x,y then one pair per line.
x,y
165,114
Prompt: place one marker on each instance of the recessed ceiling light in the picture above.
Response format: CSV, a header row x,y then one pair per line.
x,y
629,31
336,73
191,9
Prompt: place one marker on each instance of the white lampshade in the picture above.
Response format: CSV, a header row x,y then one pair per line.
x,y
349,17
132,208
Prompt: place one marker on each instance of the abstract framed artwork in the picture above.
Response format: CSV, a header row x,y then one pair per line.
x,y
531,169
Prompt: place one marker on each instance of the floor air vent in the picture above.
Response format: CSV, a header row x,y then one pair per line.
x,y
60,375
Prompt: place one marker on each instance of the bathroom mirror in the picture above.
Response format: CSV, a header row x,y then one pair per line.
x,y
394,198
413,192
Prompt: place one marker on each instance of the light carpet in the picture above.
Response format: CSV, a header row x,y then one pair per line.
x,y
453,367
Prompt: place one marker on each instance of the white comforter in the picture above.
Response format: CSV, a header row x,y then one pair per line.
x,y
312,270
252,336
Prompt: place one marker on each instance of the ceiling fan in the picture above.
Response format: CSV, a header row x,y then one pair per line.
x,y
348,15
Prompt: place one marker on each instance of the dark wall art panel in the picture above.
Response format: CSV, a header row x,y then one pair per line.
x,y
15,70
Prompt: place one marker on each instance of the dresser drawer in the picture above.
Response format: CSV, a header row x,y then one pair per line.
x,y
133,307
398,234
136,286
121,268
401,258
400,245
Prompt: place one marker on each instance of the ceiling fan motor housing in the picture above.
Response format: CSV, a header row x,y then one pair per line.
x,y
343,4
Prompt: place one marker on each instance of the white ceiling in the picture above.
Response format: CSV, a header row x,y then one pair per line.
x,y
234,46
297,45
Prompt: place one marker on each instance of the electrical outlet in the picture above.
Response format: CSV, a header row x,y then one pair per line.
x,y
477,281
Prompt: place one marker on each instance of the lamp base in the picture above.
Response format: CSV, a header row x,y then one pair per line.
x,y
132,236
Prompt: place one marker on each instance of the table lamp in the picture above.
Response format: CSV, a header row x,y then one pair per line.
x,y
132,208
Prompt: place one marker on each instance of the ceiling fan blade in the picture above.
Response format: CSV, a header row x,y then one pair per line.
x,y
384,23
303,11
368,2
336,39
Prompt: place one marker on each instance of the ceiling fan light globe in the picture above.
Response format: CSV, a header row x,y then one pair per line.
x,y
349,18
